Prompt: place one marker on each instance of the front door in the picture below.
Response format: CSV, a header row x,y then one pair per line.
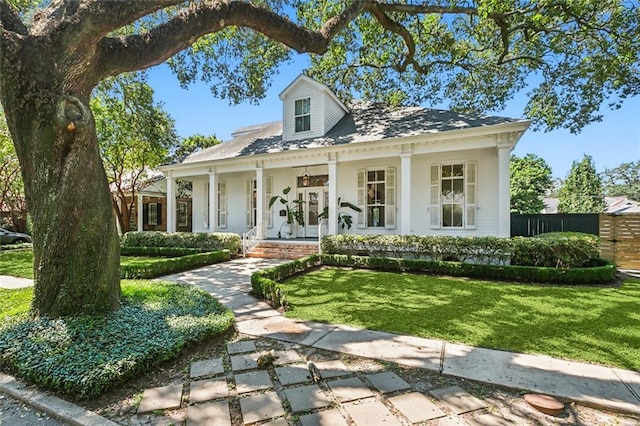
x,y
312,206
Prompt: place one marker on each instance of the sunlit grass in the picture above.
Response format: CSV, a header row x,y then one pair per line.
x,y
594,324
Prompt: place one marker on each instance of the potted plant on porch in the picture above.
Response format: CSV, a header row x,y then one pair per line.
x,y
344,219
293,212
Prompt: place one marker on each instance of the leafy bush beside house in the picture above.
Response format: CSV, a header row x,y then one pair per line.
x,y
198,240
561,250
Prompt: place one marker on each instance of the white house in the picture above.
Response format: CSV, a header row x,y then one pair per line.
x,y
410,170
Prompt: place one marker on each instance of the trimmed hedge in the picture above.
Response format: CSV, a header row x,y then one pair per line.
x,y
559,249
159,251
85,355
265,283
198,240
604,273
173,264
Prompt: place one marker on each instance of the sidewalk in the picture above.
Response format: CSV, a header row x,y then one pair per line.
x,y
587,384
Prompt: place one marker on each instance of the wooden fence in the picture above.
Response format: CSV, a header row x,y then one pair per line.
x,y
620,239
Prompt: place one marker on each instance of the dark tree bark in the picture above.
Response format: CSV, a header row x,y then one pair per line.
x,y
76,246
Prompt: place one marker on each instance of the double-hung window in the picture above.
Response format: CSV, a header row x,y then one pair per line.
x,y
302,115
377,198
453,195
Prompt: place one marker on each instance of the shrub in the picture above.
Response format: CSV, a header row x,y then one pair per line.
x,y
83,356
172,265
490,250
198,240
265,283
604,273
159,251
556,249
560,249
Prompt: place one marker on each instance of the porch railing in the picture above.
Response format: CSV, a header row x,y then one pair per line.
x,y
321,234
249,240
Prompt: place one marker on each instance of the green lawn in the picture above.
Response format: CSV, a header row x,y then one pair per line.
x,y
600,325
19,263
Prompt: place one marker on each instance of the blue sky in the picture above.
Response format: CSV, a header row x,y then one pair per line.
x,y
611,142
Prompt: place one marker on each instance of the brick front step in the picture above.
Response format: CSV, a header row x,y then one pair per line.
x,y
267,250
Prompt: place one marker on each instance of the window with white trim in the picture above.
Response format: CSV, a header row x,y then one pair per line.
x,y
302,115
453,195
377,198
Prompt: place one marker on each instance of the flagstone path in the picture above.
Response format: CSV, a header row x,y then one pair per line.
x,y
281,391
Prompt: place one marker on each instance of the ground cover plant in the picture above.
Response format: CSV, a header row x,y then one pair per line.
x,y
83,356
593,324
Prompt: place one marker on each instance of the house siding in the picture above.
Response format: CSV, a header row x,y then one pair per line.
x,y
303,90
333,112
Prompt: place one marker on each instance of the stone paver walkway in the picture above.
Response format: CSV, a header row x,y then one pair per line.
x,y
594,385
288,395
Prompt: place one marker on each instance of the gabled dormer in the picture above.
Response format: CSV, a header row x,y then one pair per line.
x,y
309,109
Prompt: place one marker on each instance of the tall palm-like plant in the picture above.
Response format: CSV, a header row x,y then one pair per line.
x,y
293,208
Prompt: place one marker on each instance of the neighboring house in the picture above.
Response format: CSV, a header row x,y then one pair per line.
x,y
410,170
613,205
151,199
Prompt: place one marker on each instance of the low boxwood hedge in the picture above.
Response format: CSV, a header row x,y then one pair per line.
x,y
159,251
85,355
198,240
267,283
172,265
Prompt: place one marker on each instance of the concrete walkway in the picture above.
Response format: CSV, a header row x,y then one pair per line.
x,y
587,384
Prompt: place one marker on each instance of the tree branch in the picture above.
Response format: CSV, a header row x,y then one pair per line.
x,y
117,55
9,19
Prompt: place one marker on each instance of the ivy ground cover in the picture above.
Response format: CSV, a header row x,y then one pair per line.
x,y
85,355
593,324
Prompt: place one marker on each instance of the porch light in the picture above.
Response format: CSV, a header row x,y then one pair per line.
x,y
305,177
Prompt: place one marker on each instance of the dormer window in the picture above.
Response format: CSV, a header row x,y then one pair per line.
x,y
303,115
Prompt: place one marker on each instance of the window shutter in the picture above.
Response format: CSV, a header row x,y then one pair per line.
x,y
222,204
159,213
145,215
471,196
434,200
248,211
362,214
268,195
390,199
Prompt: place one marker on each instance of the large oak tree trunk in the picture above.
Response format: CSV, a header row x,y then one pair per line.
x,y
75,243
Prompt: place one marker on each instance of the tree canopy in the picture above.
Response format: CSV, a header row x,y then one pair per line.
x,y
623,180
135,135
582,190
530,181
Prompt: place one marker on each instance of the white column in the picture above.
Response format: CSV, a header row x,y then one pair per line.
x,y
260,201
333,197
171,204
139,217
504,215
213,202
405,193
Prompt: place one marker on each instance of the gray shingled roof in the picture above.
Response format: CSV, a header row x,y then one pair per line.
x,y
367,122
